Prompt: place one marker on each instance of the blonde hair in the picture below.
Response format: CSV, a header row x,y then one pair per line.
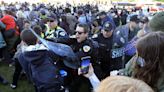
x,y
123,84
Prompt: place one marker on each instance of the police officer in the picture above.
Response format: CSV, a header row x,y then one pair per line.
x,y
127,33
83,48
81,44
55,31
106,42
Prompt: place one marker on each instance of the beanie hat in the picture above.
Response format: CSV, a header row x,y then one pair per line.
x,y
157,22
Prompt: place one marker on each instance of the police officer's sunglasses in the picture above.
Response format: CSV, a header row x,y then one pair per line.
x,y
77,32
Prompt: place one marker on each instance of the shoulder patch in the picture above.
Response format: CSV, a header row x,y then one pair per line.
x,y
86,48
118,32
122,40
62,33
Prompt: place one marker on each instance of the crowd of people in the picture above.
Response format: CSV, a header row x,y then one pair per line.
x,y
53,46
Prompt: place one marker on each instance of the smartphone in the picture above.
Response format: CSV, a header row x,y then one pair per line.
x,y
85,65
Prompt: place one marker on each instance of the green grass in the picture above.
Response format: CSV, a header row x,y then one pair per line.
x,y
7,73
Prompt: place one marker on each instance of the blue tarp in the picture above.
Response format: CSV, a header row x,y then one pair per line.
x,y
65,51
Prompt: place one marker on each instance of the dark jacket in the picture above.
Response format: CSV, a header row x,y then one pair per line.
x,y
39,66
106,57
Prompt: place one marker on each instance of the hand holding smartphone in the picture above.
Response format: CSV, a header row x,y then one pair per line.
x,y
85,65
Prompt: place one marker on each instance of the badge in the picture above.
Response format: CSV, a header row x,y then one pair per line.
x,y
118,32
122,40
86,48
107,25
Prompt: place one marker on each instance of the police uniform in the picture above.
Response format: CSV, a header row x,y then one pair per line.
x,y
85,49
108,62
104,51
58,32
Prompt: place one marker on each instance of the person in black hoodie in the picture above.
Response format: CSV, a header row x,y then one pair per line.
x,y
38,63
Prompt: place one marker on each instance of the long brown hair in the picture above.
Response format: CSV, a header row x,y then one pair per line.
x,y
151,49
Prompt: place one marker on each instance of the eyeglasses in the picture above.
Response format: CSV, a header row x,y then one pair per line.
x,y
79,32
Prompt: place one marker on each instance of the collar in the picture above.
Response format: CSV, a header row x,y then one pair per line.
x,y
36,47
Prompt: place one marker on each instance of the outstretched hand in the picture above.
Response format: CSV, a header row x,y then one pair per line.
x,y
90,71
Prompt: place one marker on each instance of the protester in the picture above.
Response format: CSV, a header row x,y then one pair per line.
x,y
46,77
11,35
116,83
144,63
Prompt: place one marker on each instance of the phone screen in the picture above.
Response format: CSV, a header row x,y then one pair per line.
x,y
85,66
